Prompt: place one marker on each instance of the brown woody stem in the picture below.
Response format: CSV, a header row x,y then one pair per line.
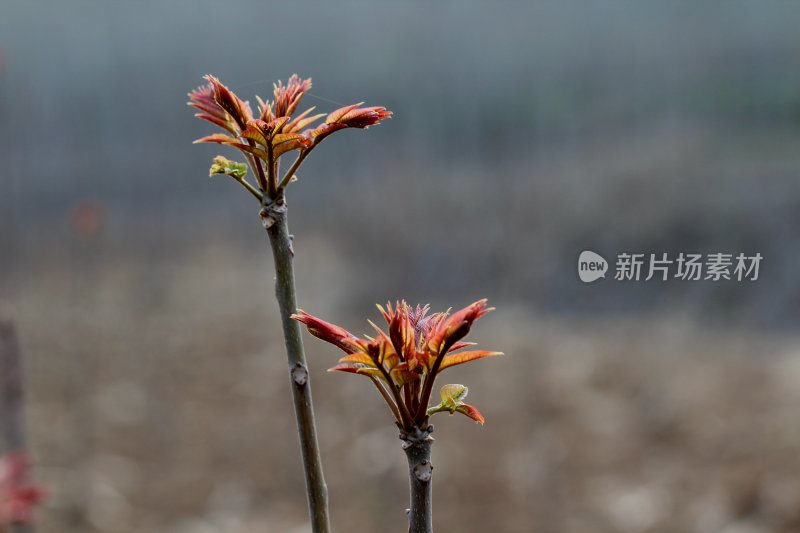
x,y
417,444
273,217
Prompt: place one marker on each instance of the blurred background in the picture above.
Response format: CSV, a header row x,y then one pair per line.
x,y
524,133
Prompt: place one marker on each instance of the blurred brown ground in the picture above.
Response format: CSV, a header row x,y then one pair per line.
x,y
158,402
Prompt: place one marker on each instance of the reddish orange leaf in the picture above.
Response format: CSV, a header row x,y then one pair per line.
x,y
472,412
402,375
351,116
287,97
286,142
330,333
453,359
364,117
203,99
302,121
358,358
219,138
335,116
455,327
216,121
265,109
354,368
255,132
322,131
277,124
390,360
461,344
371,372
237,109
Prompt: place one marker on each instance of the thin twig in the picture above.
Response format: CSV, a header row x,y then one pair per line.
x,y
272,179
275,222
289,173
405,416
257,168
387,398
252,190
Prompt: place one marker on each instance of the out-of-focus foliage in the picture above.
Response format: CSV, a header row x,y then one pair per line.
x,y
18,496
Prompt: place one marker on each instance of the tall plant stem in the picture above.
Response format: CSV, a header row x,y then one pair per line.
x,y
417,445
11,387
273,217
